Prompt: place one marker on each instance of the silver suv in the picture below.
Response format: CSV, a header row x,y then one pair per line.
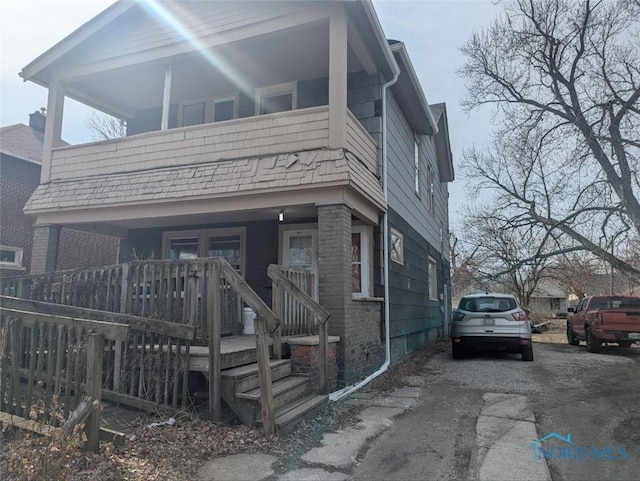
x,y
490,321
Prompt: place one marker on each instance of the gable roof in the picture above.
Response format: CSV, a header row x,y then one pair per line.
x,y
22,142
42,69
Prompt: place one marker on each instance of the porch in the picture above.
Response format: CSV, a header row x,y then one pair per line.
x,y
150,367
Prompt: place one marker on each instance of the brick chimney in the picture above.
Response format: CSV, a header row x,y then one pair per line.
x,y
38,120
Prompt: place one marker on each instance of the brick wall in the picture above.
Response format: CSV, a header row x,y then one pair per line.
x,y
18,180
356,322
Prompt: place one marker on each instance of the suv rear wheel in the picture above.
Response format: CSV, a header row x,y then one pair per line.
x,y
527,353
457,350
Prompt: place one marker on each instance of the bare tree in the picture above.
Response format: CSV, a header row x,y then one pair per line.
x,y
105,127
511,259
564,78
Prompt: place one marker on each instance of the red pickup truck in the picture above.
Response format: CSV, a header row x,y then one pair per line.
x,y
604,319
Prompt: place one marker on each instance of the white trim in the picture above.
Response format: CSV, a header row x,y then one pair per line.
x,y
203,236
17,263
416,164
272,91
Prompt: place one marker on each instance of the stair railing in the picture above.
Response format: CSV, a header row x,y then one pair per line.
x,y
265,323
281,281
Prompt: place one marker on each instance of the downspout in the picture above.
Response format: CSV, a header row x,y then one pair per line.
x,y
337,395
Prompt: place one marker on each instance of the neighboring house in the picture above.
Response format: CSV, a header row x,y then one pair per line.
x,y
256,131
548,300
20,164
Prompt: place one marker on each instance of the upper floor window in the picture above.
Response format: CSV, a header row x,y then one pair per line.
x,y
11,257
217,109
193,114
276,98
416,164
432,191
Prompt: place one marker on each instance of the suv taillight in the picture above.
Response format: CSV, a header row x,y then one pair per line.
x,y
458,316
520,316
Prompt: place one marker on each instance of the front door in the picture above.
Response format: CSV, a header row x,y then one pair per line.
x,y
300,249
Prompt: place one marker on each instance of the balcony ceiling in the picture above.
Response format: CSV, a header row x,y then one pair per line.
x,y
258,62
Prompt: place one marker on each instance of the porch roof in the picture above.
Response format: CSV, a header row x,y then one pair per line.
x,y
238,177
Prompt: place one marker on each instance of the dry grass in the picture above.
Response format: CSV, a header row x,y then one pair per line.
x,y
555,333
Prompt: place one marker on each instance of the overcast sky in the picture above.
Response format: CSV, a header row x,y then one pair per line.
x,y
431,30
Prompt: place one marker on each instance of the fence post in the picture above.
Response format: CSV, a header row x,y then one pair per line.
x,y
215,326
267,409
117,360
94,389
276,301
323,338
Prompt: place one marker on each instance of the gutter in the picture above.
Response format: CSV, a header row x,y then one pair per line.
x,y
337,395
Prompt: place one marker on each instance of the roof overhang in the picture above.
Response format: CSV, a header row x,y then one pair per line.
x,y
442,143
409,94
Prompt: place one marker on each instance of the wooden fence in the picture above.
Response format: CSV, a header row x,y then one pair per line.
x,y
148,369
49,364
171,291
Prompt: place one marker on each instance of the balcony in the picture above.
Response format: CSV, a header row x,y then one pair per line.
x,y
286,132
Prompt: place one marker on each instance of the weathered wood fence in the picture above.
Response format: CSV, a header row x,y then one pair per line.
x,y
49,364
172,291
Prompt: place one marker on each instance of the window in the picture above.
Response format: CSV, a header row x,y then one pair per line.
x,y
224,109
11,257
554,304
432,193
277,98
433,279
193,114
397,247
416,164
208,110
360,261
228,243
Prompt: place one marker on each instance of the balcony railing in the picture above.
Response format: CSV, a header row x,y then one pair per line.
x,y
292,131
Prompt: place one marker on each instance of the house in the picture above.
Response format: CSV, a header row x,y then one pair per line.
x,y
279,132
20,165
548,300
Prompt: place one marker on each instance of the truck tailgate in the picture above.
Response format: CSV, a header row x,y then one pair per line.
x,y
620,320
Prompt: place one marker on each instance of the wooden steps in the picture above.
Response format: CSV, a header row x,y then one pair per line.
x,y
288,416
292,396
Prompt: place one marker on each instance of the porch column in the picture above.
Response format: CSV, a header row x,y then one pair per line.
x,y
44,249
334,278
166,98
337,79
53,128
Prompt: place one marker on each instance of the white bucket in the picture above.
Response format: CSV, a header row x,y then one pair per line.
x,y
248,315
